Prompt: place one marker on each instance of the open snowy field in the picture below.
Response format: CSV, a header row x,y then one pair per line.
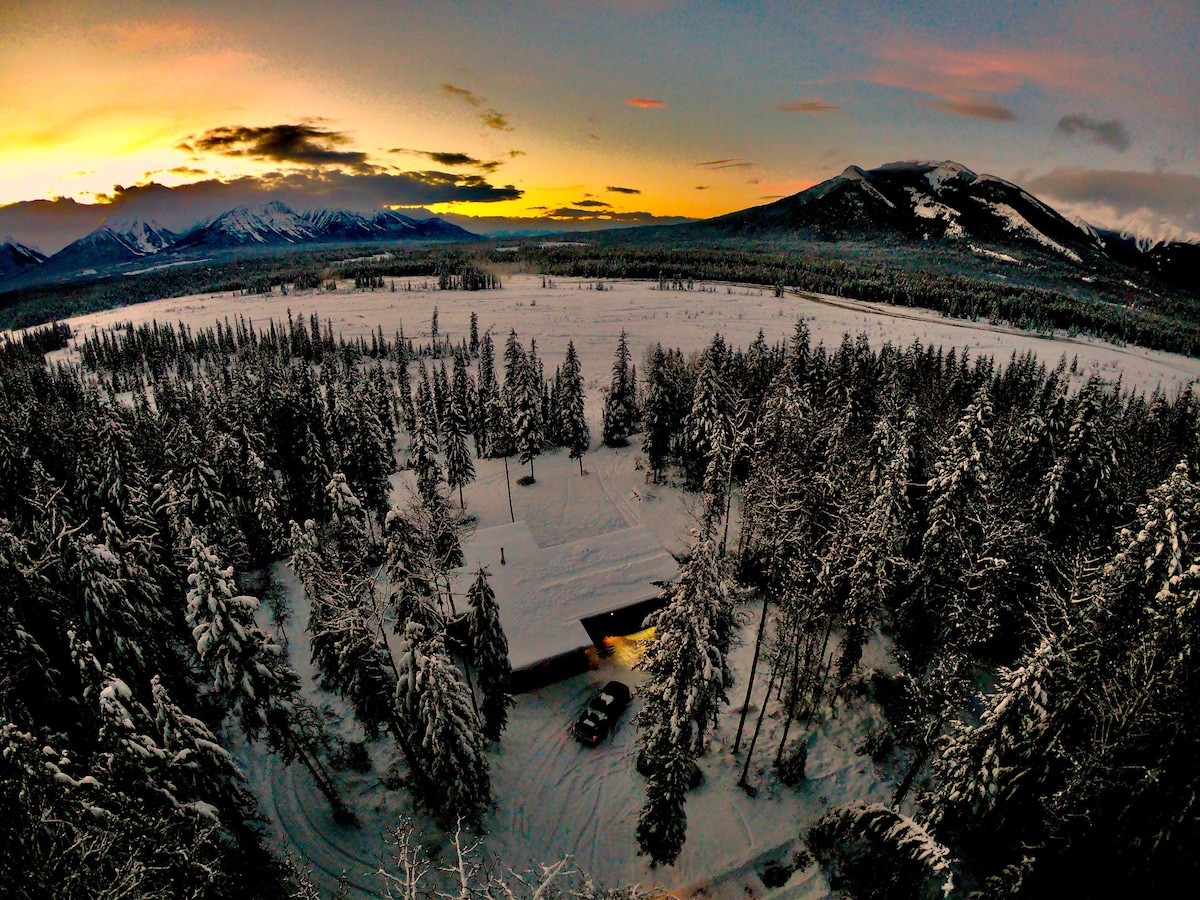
x,y
684,319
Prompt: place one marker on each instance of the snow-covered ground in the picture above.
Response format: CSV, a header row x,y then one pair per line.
x,y
552,796
684,319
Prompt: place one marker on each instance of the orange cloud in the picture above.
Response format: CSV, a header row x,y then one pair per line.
x,y
970,82
974,108
806,106
645,103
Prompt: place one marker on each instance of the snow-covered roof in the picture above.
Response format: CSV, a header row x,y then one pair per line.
x,y
543,593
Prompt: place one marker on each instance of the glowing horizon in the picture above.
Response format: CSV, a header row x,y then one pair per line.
x,y
609,108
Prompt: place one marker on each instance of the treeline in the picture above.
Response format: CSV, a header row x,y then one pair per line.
x,y
1169,323
36,342
1025,544
251,273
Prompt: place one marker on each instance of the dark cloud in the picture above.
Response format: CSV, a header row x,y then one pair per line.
x,y
50,225
303,143
731,162
1169,199
630,218
702,187
569,212
451,159
494,119
806,106
515,153
463,94
597,203
491,118
1110,133
616,189
974,108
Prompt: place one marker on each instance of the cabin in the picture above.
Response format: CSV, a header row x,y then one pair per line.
x,y
557,603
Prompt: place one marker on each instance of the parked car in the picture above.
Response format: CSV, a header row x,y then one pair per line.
x,y
694,775
601,714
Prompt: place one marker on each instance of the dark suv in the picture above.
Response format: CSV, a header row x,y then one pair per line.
x,y
601,714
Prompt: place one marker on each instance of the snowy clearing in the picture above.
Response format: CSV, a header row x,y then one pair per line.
x,y
684,319
554,797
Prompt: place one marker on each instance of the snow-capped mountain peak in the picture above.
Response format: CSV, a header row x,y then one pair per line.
x,y
17,258
141,236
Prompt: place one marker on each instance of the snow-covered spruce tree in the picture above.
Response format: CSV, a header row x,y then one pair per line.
x,y
460,468
348,539
463,390
527,418
953,536
687,665
656,414
1080,479
423,455
441,393
880,539
1136,681
424,401
575,432
404,383
707,417
349,644
662,823
432,694
688,678
990,777
620,405
249,671
501,442
118,625
202,774
515,373
486,394
489,653
414,569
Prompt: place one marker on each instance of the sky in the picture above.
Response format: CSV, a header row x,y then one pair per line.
x,y
592,113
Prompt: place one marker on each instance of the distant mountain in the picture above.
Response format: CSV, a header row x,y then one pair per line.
x,y
344,225
1176,262
277,223
16,258
265,224
115,243
916,202
120,243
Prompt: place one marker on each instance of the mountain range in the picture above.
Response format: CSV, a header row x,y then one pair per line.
x,y
121,242
939,213
934,206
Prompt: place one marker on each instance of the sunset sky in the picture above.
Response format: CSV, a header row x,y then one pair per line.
x,y
627,109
